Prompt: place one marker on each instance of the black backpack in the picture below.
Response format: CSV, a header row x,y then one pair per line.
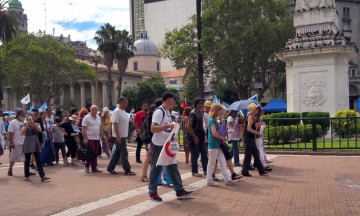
x,y
145,130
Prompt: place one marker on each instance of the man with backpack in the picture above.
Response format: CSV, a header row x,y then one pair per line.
x,y
138,120
161,127
195,127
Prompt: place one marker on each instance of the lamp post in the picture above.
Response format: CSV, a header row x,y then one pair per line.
x,y
96,59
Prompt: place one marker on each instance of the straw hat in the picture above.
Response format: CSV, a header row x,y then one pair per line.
x,y
252,107
207,103
74,118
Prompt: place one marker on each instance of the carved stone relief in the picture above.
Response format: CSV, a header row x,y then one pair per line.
x,y
313,93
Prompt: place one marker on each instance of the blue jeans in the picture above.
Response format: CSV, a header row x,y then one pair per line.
x,y
235,149
197,150
172,169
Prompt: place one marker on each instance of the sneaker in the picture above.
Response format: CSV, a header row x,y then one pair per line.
x,y
184,195
235,176
155,197
214,178
230,183
196,175
214,184
10,173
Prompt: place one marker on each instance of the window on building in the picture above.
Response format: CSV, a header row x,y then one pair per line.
x,y
135,66
346,11
173,82
158,66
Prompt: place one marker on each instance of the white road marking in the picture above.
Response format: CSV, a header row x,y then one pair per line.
x,y
109,200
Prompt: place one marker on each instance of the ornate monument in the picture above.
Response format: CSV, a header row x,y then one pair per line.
x,y
317,60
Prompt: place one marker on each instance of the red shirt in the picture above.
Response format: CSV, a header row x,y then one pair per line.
x,y
139,118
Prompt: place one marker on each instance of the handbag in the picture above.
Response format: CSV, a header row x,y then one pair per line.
x,y
85,153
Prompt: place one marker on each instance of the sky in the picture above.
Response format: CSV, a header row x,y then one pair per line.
x,y
79,18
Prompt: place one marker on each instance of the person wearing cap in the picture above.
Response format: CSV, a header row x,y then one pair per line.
x,y
72,130
250,134
120,130
234,135
161,126
91,131
195,127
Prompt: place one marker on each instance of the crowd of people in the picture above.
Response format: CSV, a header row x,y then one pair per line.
x,y
37,138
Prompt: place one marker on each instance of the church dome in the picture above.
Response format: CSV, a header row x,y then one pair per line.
x,y
15,4
144,46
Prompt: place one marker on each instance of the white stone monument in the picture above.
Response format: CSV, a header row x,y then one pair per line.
x,y
317,60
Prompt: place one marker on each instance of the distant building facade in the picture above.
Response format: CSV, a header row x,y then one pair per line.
x,y
16,6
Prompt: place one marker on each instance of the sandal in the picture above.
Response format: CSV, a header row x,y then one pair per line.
x,y
144,179
130,173
112,172
45,179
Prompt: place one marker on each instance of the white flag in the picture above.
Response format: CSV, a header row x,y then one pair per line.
x,y
26,99
171,147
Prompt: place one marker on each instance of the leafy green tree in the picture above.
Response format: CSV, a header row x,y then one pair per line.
x,y
147,90
8,23
105,38
42,66
241,37
125,45
238,41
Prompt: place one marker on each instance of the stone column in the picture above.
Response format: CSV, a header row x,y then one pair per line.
x,y
62,97
6,99
72,94
82,94
115,92
93,94
15,102
104,94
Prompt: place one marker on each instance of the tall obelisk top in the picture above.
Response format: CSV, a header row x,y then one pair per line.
x,y
315,15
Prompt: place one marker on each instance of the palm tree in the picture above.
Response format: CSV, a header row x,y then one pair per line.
x,y
125,45
8,23
105,38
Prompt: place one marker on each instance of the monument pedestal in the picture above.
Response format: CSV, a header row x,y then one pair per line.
x,y
317,60
317,79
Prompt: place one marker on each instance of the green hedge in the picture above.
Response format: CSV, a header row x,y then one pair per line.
x,y
287,134
347,126
324,123
283,122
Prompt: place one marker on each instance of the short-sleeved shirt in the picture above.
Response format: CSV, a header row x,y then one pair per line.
x,y
15,128
122,118
50,120
196,118
139,118
161,116
234,132
92,125
213,142
58,135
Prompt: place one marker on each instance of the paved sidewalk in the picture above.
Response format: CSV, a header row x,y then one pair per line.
x,y
298,185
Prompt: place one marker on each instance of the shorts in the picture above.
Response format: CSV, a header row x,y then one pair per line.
x,y
225,149
16,154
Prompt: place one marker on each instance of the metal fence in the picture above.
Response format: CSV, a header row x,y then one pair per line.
x,y
308,133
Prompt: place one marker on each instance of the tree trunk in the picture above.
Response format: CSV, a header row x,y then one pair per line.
x,y
122,65
200,56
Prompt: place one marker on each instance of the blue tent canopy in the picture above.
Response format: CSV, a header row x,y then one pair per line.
x,y
275,105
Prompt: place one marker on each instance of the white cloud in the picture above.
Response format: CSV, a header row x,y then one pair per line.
x,y
75,12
